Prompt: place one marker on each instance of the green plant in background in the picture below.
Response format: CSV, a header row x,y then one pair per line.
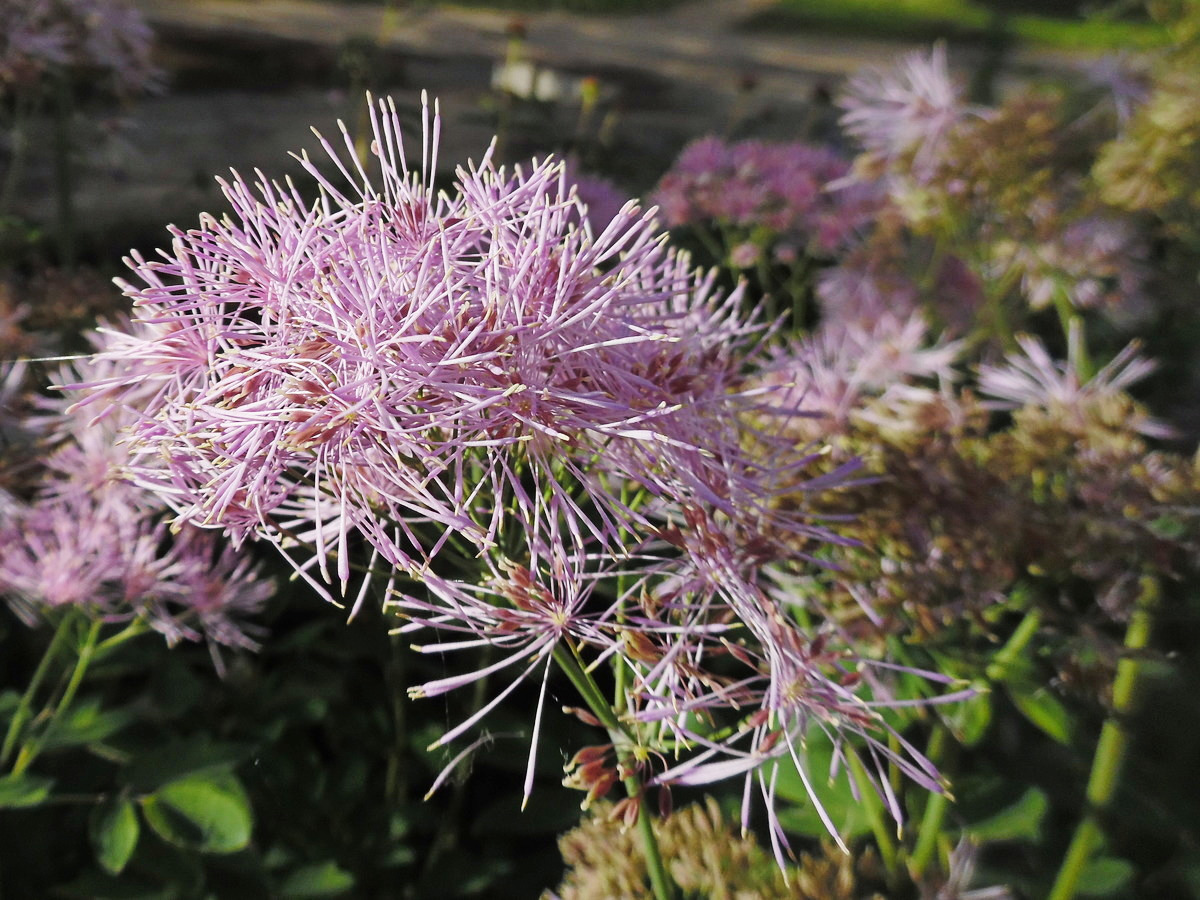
x,y
964,20
1010,552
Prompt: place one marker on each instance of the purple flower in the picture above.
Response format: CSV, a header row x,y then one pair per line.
x,y
381,360
842,373
92,539
905,110
1095,262
752,184
1032,378
543,437
1123,78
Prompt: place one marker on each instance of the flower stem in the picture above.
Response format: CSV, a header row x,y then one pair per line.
x,y
998,668
938,804
887,847
935,812
568,661
1110,749
21,715
30,751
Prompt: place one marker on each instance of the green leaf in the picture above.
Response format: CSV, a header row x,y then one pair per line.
x,y
1169,528
324,879
208,812
114,831
971,718
85,723
20,791
1021,820
1043,709
162,763
1105,876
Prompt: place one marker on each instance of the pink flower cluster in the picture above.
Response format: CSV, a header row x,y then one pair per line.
x,y
536,431
785,188
91,539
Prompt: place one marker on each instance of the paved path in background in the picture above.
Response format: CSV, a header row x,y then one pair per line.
x,y
699,43
669,76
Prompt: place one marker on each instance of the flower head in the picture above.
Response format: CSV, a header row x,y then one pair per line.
x,y
1032,379
905,111
752,184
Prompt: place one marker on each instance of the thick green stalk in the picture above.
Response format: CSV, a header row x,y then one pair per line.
x,y
939,804
1111,747
21,715
998,668
935,812
569,662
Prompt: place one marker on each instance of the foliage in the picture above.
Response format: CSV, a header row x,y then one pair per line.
x,y
962,20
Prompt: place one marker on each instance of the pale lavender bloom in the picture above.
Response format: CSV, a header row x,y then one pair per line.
x,y
1097,262
472,380
212,593
859,290
401,353
1032,378
521,613
905,111
870,282
840,373
90,554
1125,80
90,538
791,683
100,555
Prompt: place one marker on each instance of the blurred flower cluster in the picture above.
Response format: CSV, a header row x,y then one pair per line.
x,y
709,858
75,535
107,41
976,343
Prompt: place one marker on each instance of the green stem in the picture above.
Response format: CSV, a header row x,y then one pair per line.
x,y
1111,747
935,813
939,804
568,661
136,628
887,847
1072,325
86,651
39,675
629,498
1000,665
